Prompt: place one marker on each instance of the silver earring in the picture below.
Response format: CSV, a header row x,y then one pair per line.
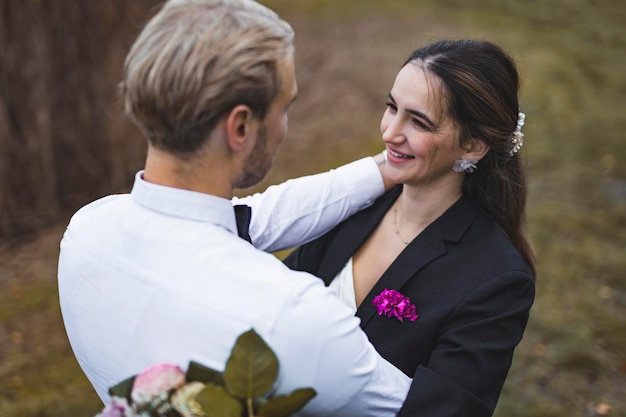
x,y
465,165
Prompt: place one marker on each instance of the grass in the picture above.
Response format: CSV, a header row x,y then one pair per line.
x,y
39,376
572,360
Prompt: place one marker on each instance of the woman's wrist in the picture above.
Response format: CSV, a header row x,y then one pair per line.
x,y
381,159
381,162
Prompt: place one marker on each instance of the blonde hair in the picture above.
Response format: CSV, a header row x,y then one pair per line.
x,y
197,59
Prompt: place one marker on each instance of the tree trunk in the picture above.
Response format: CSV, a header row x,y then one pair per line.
x,y
63,139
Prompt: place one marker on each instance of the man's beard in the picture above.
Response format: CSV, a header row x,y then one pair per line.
x,y
258,163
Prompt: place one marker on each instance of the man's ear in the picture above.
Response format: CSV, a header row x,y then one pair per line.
x,y
240,127
477,149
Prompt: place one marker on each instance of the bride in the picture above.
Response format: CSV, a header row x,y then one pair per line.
x,y
438,269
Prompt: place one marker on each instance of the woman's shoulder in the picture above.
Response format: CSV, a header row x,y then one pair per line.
x,y
478,239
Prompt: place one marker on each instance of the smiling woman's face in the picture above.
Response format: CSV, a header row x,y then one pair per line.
x,y
421,139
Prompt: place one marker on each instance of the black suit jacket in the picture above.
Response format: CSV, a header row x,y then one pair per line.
x,y
472,291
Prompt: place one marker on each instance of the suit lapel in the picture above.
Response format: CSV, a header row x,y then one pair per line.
x,y
420,252
428,246
352,233
424,249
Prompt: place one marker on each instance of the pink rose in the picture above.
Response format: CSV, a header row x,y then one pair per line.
x,y
155,380
118,407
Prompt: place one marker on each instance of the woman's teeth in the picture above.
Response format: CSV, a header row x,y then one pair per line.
x,y
399,155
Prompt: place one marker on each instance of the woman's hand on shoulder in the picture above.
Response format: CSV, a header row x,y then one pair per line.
x,y
381,161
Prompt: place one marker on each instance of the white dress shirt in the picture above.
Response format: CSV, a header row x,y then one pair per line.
x,y
159,275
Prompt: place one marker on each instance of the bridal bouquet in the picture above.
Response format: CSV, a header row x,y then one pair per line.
x,y
242,390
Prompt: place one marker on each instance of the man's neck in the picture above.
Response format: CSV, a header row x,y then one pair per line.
x,y
203,175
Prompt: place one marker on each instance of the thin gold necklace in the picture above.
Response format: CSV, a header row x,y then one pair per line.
x,y
395,225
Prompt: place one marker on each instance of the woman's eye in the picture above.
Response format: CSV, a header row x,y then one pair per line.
x,y
420,124
391,106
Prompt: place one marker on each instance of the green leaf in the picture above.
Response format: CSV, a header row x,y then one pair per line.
x,y
123,389
252,367
286,405
201,373
215,401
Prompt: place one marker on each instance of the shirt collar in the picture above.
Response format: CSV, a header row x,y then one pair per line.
x,y
186,204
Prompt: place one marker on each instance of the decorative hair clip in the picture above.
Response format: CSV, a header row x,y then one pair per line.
x,y
518,137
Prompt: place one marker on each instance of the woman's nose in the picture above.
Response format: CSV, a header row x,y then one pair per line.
x,y
392,130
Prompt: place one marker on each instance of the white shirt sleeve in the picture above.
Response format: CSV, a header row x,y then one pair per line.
x,y
161,273
319,343
300,210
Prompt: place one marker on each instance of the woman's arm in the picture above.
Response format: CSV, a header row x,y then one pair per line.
x,y
472,354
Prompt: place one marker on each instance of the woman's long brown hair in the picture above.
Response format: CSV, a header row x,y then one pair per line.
x,y
481,85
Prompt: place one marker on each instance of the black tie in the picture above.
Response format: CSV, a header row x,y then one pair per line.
x,y
242,216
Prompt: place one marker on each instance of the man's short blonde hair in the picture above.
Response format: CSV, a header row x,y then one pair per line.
x,y
196,60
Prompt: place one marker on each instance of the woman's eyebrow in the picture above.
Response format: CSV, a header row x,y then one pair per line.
x,y
414,112
421,115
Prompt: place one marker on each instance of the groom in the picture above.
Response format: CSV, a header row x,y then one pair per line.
x,y
160,275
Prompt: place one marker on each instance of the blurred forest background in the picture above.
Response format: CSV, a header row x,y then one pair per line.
x,y
64,142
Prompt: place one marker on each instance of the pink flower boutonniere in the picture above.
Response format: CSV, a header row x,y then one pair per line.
x,y
392,303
